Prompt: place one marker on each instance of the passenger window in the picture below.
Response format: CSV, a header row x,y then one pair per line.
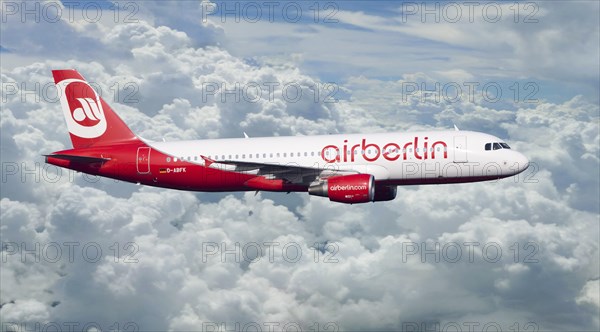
x,y
306,154
278,154
223,157
237,156
284,154
312,153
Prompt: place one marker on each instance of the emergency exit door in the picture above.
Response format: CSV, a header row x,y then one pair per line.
x,y
460,149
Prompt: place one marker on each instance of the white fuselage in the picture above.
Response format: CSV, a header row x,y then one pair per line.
x,y
387,156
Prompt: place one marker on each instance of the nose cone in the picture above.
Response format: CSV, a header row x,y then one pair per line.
x,y
521,161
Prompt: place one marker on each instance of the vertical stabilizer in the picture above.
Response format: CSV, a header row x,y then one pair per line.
x,y
90,121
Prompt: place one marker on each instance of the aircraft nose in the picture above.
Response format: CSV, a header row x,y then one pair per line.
x,y
522,162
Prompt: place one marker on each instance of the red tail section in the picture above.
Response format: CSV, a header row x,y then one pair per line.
x,y
91,122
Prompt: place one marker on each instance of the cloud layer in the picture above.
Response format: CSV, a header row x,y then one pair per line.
x,y
78,249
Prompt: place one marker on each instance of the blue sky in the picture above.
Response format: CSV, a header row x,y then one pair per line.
x,y
152,62
397,33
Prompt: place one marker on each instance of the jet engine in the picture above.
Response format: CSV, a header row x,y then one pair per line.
x,y
351,189
385,193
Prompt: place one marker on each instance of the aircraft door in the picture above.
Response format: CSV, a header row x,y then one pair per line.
x,y
460,149
143,160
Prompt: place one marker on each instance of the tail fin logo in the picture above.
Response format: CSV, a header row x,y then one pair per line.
x,y
82,108
89,110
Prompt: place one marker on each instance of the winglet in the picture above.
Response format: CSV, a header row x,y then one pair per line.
x,y
246,135
456,128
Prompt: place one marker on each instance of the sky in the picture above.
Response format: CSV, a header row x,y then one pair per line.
x,y
518,254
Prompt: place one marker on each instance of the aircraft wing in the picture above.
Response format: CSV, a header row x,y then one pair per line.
x,y
278,174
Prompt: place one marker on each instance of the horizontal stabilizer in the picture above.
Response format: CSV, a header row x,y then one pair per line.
x,y
78,159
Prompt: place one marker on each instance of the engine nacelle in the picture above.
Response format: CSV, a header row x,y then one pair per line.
x,y
385,193
351,189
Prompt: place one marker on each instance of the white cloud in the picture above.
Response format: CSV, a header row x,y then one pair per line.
x,y
356,270
590,293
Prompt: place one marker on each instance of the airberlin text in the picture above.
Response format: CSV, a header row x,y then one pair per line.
x,y
347,187
372,152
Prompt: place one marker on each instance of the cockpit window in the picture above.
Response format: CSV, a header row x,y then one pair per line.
x,y
496,146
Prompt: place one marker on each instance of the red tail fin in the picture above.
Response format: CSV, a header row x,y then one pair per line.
x,y
90,121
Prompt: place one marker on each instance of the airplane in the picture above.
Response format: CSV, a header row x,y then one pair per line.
x,y
346,168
